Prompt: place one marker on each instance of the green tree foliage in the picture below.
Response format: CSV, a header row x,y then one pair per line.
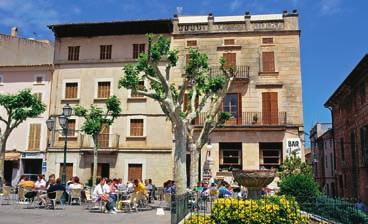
x,y
18,108
94,120
294,165
154,68
301,186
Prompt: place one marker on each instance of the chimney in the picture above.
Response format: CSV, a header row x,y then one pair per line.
x,y
14,31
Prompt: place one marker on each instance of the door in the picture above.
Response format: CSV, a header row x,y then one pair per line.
x,y
270,108
103,170
134,171
69,170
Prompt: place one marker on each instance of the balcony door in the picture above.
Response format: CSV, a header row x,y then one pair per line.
x,y
270,108
230,59
232,104
104,137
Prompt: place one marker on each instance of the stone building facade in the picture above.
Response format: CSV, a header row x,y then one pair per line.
x,y
348,105
20,69
265,98
88,66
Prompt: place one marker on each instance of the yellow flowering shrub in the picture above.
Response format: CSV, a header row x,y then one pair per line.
x,y
268,210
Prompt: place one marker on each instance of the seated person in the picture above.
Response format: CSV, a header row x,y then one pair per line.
x,y
101,193
40,183
52,188
29,185
224,190
139,186
75,184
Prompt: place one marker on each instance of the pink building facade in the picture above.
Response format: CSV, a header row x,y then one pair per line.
x,y
20,69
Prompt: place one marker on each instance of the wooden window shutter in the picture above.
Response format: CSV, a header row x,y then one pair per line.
x,y
268,61
191,43
274,108
71,90
135,51
229,42
136,127
267,40
71,127
103,139
103,90
269,108
239,108
34,138
230,59
266,108
142,48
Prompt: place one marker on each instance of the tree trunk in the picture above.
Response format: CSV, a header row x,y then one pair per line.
x,y
180,175
3,140
95,163
194,156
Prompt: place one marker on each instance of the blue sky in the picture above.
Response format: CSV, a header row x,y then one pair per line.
x,y
334,32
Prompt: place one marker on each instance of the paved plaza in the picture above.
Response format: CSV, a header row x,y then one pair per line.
x,y
15,214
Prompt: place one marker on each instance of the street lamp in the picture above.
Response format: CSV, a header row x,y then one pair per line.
x,y
63,121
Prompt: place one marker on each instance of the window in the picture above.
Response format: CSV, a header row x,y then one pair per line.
x,y
71,90
364,145
34,137
270,108
268,61
71,127
138,49
134,94
105,52
230,156
103,170
229,42
136,127
270,155
230,59
342,149
191,43
232,104
39,79
73,53
1,80
103,89
267,40
38,96
362,93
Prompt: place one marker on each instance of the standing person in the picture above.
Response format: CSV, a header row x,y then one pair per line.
x,y
151,188
101,193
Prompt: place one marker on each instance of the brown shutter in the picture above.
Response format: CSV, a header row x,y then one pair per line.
x,y
191,43
134,171
103,90
270,108
136,127
71,127
240,108
267,40
142,48
266,108
229,42
135,51
274,108
230,59
71,90
268,61
34,138
103,139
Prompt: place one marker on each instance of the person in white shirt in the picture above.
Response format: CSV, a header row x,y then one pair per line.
x,y
40,184
101,193
75,184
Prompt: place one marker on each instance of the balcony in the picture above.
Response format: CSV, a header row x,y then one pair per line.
x,y
241,72
251,119
80,141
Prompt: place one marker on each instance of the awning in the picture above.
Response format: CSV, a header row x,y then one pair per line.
x,y
11,156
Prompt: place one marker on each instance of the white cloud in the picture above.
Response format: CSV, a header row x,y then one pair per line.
x,y
235,4
330,7
29,16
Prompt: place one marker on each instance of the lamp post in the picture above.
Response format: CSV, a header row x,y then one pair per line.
x,y
63,121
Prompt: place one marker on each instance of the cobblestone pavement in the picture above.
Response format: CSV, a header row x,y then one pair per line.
x,y
16,214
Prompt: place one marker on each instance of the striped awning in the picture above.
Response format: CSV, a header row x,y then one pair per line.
x,y
10,156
